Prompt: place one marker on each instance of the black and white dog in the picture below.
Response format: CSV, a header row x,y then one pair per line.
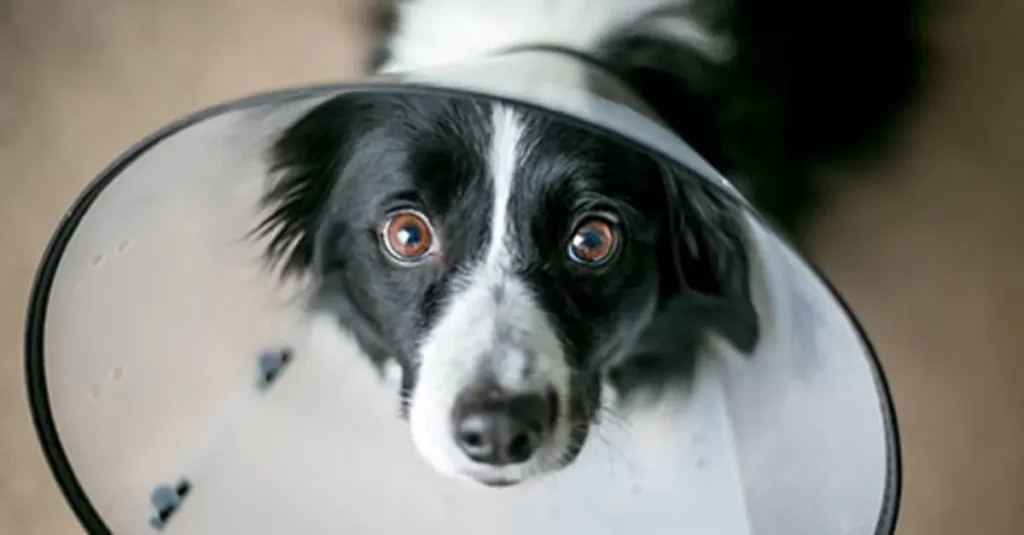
x,y
513,265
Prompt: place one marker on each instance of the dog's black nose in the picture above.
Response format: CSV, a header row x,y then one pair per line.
x,y
495,428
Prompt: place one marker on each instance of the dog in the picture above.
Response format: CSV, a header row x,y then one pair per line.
x,y
514,266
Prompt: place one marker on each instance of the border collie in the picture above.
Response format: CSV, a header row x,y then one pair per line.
x,y
514,266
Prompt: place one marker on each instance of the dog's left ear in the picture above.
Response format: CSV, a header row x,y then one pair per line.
x,y
705,263
704,270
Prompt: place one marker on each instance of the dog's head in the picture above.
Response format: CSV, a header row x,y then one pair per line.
x,y
510,262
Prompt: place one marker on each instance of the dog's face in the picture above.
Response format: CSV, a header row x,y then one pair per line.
x,y
511,263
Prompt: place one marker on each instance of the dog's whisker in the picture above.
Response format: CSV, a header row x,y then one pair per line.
x,y
616,420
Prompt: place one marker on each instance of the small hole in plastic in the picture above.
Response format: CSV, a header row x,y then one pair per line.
x,y
271,364
97,260
166,501
123,247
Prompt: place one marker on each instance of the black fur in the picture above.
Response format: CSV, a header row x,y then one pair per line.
x,y
808,84
344,165
803,88
384,20
340,169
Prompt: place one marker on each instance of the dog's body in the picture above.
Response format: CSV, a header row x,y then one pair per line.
x,y
512,263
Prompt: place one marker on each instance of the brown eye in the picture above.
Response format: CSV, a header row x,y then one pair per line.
x,y
594,242
407,236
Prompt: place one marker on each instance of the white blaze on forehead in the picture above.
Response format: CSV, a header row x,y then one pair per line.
x,y
490,328
506,146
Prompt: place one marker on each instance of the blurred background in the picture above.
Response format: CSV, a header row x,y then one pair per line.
x,y
930,253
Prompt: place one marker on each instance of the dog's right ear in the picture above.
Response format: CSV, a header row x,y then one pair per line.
x,y
305,164
706,263
704,269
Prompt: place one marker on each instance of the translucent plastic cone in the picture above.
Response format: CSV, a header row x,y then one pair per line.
x,y
162,404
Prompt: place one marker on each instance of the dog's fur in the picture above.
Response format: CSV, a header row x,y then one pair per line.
x,y
765,90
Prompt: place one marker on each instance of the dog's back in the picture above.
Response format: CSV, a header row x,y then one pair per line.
x,y
766,91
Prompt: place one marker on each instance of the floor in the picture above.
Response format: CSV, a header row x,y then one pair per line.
x,y
924,252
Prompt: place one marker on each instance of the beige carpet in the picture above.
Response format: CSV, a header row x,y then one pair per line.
x,y
930,254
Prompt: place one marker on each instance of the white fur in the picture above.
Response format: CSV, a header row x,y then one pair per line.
x,y
492,327
492,324
437,32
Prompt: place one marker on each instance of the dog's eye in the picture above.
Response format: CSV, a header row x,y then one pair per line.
x,y
407,236
594,242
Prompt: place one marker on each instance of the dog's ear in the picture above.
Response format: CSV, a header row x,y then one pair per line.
x,y
705,262
305,163
704,270
308,162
